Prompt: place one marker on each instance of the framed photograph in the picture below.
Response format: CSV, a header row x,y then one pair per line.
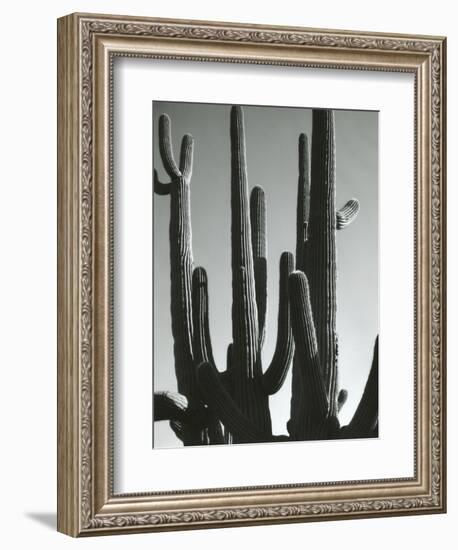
x,y
251,289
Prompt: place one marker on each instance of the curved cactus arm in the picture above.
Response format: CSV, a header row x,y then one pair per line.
x,y
165,147
276,373
244,308
259,246
310,410
202,348
320,249
303,200
186,156
174,406
223,406
159,187
365,419
347,214
169,406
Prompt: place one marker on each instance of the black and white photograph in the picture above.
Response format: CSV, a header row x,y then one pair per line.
x,y
265,274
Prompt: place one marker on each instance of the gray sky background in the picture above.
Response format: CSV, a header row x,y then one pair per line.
x,y
271,140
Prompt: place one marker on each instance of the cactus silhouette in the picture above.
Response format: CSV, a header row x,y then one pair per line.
x,y
232,406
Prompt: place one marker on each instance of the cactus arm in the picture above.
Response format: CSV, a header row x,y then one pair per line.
x,y
310,409
320,249
244,309
259,246
169,406
223,406
186,156
365,419
159,187
174,406
347,214
303,201
165,147
276,373
202,348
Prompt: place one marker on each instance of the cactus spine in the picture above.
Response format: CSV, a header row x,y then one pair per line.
x,y
238,398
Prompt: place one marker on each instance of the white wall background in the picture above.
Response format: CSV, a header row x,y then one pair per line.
x,y
28,274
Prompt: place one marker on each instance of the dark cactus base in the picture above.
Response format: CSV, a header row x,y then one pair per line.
x,y
214,407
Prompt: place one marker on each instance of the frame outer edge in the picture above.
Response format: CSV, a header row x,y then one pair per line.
x,y
443,282
68,395
133,19
76,420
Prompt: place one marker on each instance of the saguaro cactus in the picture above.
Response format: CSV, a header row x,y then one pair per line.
x,y
238,398
315,400
185,285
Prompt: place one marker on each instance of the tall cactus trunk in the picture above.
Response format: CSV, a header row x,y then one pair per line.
x,y
302,219
243,282
315,401
181,266
248,394
320,249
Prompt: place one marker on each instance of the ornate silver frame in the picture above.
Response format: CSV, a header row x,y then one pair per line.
x,y
86,46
